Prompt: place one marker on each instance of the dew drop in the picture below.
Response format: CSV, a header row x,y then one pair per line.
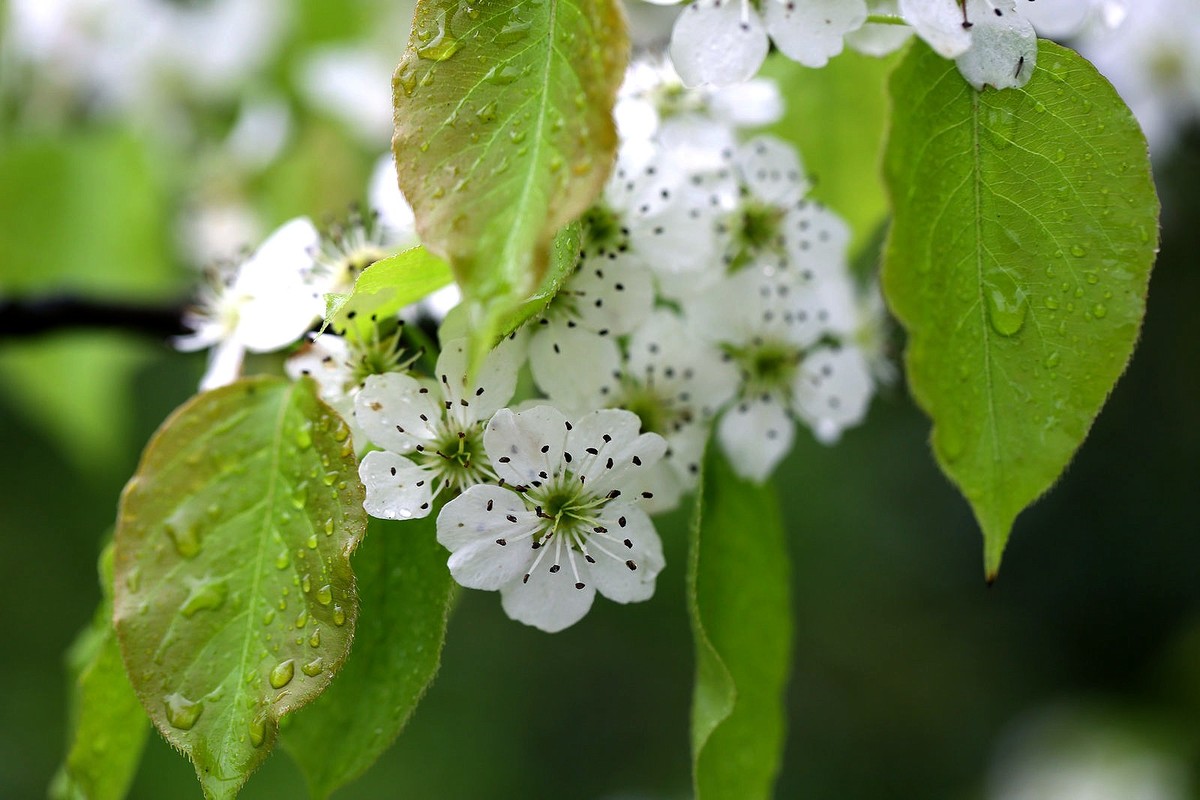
x,y
268,617
185,536
313,668
406,76
300,496
1060,155
315,639
515,29
339,616
304,436
1007,305
182,713
282,673
1078,251
1052,302
312,541
502,74
258,730
204,594
1053,360
438,46
949,442
1099,311
283,560
306,584
301,619
329,527
325,595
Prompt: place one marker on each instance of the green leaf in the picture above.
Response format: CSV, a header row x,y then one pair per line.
x,y
234,601
504,134
384,288
837,117
1025,226
404,589
108,725
740,609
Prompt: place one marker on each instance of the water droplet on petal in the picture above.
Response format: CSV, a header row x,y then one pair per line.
x,y
1007,305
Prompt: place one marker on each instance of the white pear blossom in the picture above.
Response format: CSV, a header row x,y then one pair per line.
x,y
1058,19
782,330
1003,51
992,44
266,303
430,432
341,366
566,520
692,124
726,41
1153,60
880,38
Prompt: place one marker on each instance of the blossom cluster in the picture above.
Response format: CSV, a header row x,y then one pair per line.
x,y
711,297
994,42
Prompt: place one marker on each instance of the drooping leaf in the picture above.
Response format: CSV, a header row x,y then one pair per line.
x,y
1025,226
234,599
384,288
108,724
740,610
404,589
504,134
837,116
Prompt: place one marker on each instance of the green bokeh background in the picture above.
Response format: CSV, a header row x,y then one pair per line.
x,y
910,674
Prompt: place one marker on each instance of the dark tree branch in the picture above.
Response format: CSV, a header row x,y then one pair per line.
x,y
24,317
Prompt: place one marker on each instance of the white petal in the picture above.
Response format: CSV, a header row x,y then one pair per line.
x,y
574,367
224,365
719,42
816,239
609,454
940,23
396,487
273,319
876,39
811,31
471,527
324,359
681,240
756,434
524,445
1056,19
1003,46
612,294
753,104
395,214
549,602
493,385
395,413
685,371
771,170
611,573
282,258
666,486
832,391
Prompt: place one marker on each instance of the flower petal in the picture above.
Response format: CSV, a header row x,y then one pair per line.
x,y
811,31
397,412
472,527
493,384
574,367
940,23
611,294
396,487
611,573
719,42
1003,46
548,601
832,390
523,445
756,434
608,454
771,170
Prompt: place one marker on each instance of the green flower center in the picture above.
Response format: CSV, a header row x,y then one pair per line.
x,y
757,230
458,458
766,366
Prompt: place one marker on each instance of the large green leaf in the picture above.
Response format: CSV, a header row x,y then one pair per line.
x,y
384,288
1025,225
108,726
234,599
404,589
837,116
504,134
740,609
